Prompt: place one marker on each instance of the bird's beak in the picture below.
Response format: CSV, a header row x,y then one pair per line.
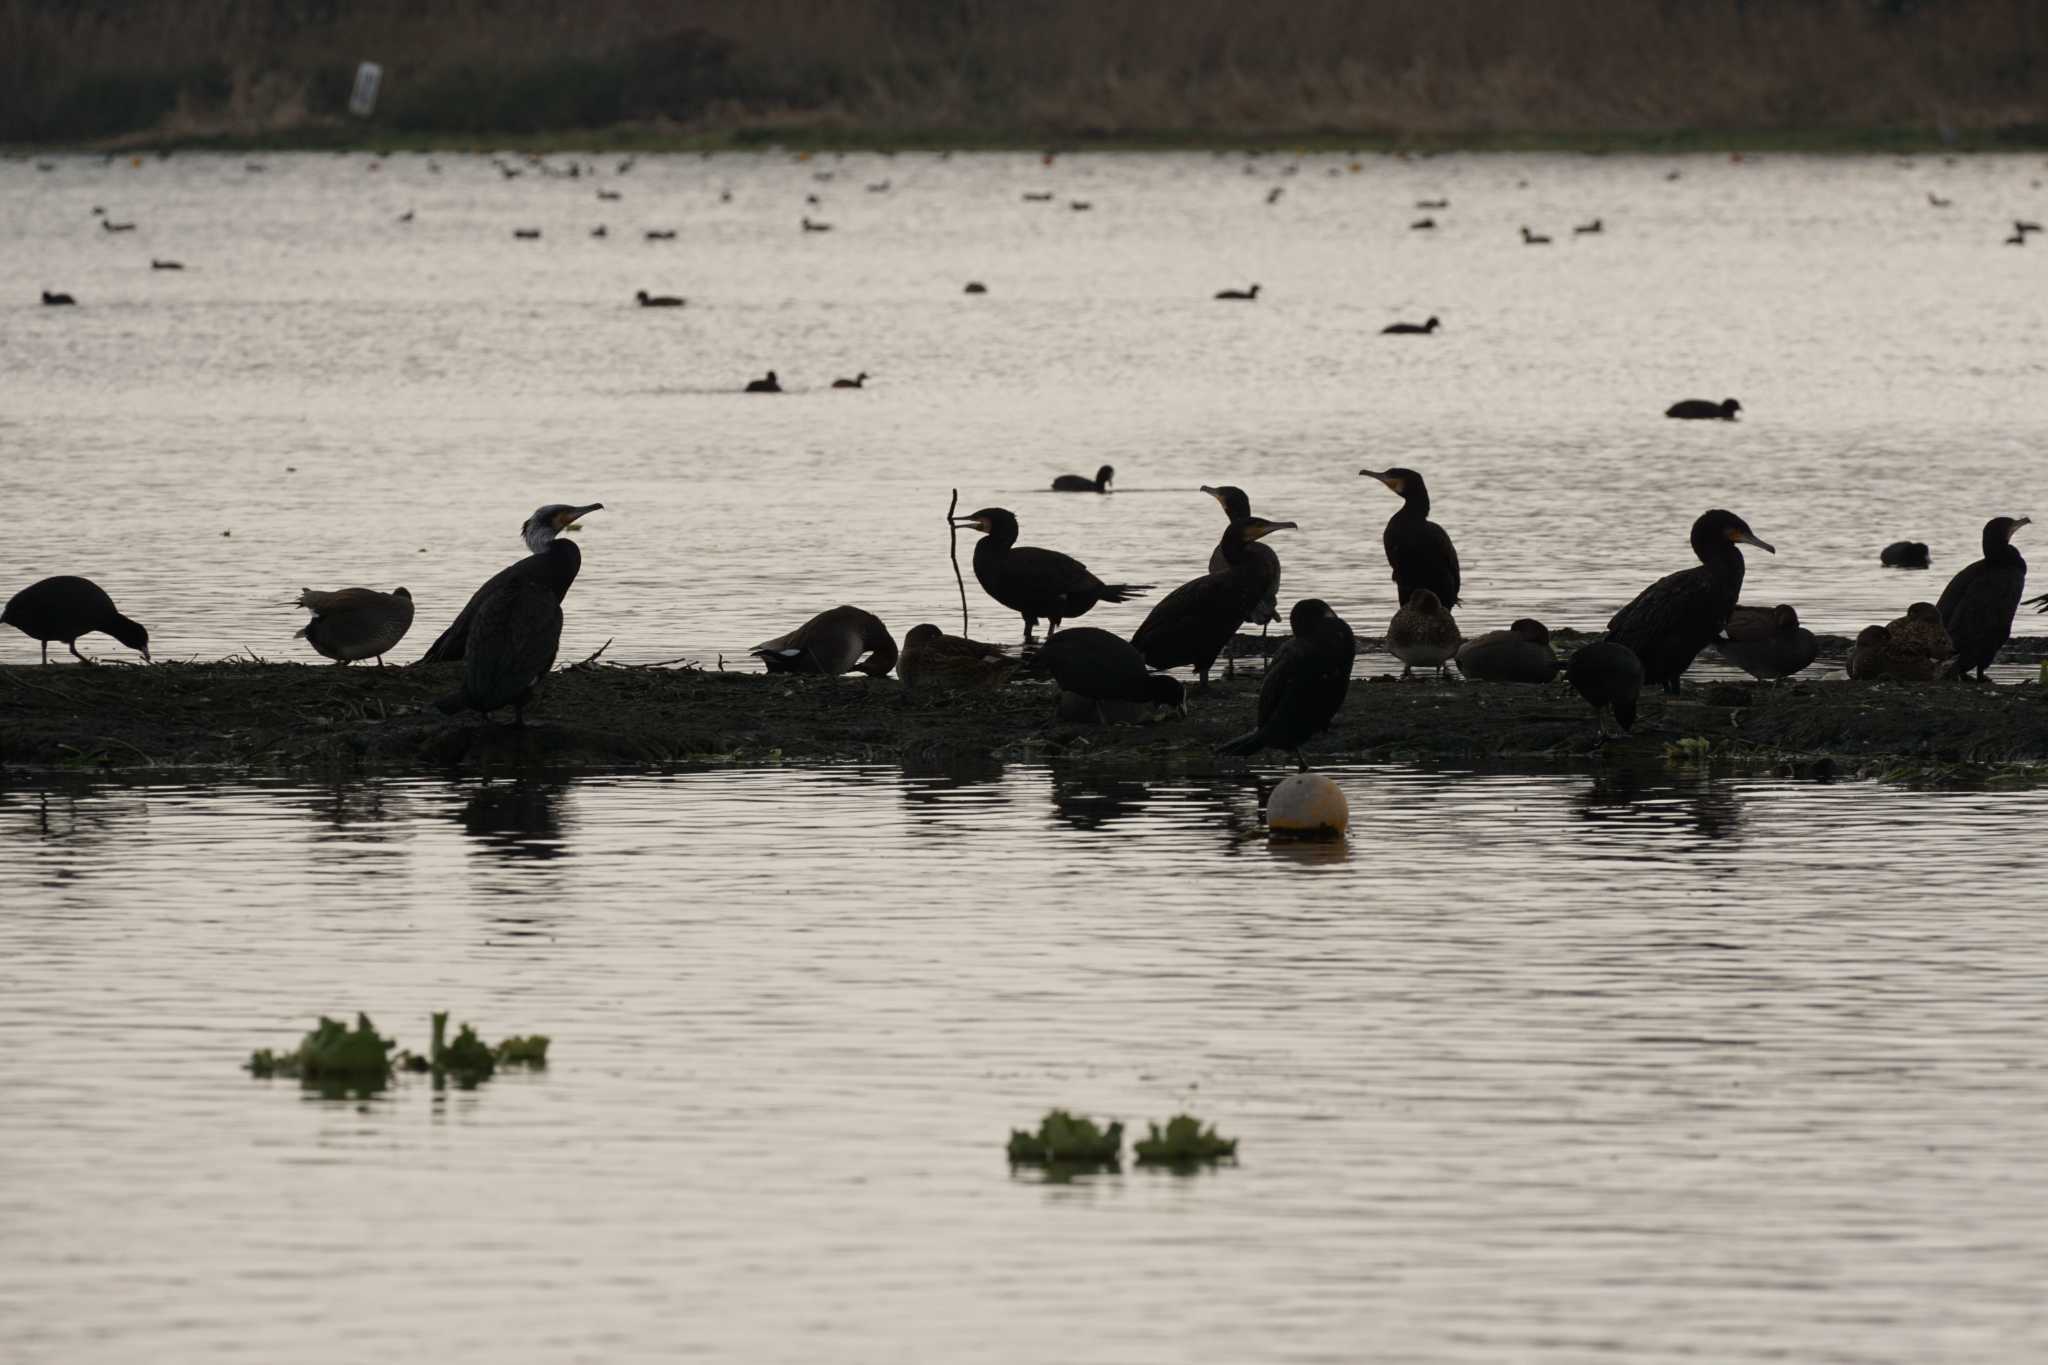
x,y
972,523
2022,521
1748,538
566,521
145,655
1212,492
1259,530
1388,480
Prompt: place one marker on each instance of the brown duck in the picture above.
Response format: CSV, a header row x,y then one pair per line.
x,y
937,662
355,623
1423,635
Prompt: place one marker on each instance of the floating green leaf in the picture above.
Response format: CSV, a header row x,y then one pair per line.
x,y
1184,1144
332,1056
1067,1140
529,1051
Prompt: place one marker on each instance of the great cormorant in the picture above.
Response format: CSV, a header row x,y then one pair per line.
x,y
554,562
1700,410
355,623
1423,634
1978,604
1607,675
1305,684
1236,506
1075,483
831,643
1519,654
66,607
512,645
1032,582
1191,625
937,662
1767,642
1673,619
1103,671
1419,552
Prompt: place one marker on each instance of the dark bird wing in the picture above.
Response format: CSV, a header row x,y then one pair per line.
x,y
1671,621
1958,587
1750,623
1422,556
450,645
516,633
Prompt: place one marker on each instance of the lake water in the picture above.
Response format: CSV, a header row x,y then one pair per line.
x,y
1633,1064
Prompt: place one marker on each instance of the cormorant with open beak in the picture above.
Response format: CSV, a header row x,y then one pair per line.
x,y
1032,582
553,563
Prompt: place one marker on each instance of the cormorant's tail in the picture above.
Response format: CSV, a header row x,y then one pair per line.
x,y
1123,592
1244,745
451,644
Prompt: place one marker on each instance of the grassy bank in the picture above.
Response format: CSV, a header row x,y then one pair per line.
x,y
1575,74
287,717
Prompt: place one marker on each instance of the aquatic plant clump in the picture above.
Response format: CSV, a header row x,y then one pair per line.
x,y
331,1052
528,1051
1184,1144
1067,1140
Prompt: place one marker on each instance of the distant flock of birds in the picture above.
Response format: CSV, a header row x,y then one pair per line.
x,y
508,634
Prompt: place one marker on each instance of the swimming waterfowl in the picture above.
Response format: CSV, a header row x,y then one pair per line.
x,y
1423,225
551,561
859,381
1190,626
1519,654
1079,205
1937,201
51,300
1423,634
766,384
1273,195
526,234
110,225
1250,293
1432,203
155,264
842,640
355,623
1767,642
599,231
879,187
608,194
2021,227
1032,582
810,226
1610,677
1075,483
65,607
1038,196
1904,554
513,640
1700,410
405,217
660,234
1103,678
937,662
2017,239
975,287
1259,559
1419,552
1588,229
1978,604
647,300
1412,328
1305,684
1534,238
1673,619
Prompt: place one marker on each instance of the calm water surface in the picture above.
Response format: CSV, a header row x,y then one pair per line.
x,y
1547,1066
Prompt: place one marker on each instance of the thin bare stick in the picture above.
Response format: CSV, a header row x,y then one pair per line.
x,y
953,548
591,662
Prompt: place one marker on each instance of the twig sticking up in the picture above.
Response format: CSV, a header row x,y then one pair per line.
x,y
953,547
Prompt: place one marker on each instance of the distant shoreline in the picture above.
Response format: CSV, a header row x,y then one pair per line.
x,y
631,138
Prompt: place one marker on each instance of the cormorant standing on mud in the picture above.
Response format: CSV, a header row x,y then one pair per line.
x,y
1419,552
66,607
1978,604
1075,483
512,644
1305,684
1099,667
1673,619
355,623
1238,507
831,643
1032,582
553,562
1193,623
1607,675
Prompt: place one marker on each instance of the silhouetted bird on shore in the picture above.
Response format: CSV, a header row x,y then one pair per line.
x,y
1419,552
1978,604
842,640
552,561
1032,582
1609,677
66,607
355,623
1673,619
1305,684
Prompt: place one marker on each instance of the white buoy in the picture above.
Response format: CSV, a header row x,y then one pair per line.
x,y
1307,806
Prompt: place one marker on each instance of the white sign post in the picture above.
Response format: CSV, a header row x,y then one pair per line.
x,y
363,98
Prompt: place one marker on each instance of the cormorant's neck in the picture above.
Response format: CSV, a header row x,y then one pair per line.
x,y
1414,502
1233,544
1720,555
1002,535
564,561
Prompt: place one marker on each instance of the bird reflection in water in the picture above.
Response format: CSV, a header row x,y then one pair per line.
x,y
1647,791
944,796
1091,800
356,812
516,820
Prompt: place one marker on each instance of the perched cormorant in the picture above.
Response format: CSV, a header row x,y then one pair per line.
x,y
1607,674
935,661
1519,654
51,300
1534,238
767,384
1423,634
859,381
1305,684
66,607
1103,672
975,287
1421,555
1978,604
512,645
1245,294
1032,582
831,643
647,300
1700,410
1872,655
1191,625
1412,328
1075,483
1237,506
554,562
1673,619
1904,554
1767,642
355,623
